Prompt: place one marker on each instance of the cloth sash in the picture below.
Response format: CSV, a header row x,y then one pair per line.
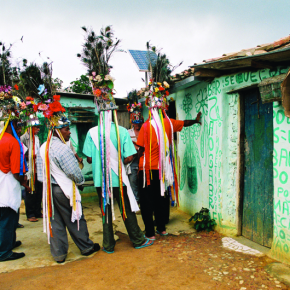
x,y
133,138
30,161
115,166
65,184
166,165
10,195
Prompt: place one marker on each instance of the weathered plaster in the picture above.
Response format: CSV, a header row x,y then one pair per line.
x,y
222,126
216,145
281,162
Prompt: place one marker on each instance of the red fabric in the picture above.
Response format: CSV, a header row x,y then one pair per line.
x,y
145,129
9,154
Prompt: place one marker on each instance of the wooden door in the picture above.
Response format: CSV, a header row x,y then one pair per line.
x,y
257,222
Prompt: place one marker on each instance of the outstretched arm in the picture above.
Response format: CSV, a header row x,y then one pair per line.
x,y
192,122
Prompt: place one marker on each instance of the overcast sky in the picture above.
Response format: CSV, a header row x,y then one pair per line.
x,y
187,30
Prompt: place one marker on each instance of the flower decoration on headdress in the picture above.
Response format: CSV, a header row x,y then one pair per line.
x,y
156,95
134,107
97,51
10,105
36,82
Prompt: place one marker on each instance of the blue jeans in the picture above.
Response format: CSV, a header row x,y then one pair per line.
x,y
8,225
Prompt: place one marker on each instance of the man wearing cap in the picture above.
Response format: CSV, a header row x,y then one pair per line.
x,y
65,175
157,160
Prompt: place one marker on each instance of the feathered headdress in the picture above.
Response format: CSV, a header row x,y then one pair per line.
x,y
157,101
96,54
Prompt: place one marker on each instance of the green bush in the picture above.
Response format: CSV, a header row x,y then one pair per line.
x,y
202,220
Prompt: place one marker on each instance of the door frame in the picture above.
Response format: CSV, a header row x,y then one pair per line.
x,y
241,158
240,162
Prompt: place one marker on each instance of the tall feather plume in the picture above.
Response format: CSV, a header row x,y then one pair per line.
x,y
161,69
98,49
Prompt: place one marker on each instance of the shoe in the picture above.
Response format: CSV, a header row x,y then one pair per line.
x,y
20,226
93,250
17,244
146,244
32,219
60,262
164,233
153,238
108,252
14,256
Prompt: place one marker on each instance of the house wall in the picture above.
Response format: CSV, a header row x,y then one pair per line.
x,y
208,154
217,149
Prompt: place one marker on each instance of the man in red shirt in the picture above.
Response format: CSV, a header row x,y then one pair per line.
x,y
10,196
156,164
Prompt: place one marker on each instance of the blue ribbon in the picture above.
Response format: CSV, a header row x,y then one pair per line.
x,y
21,151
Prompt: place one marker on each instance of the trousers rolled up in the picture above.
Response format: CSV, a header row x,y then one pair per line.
x,y
151,202
61,222
135,234
8,225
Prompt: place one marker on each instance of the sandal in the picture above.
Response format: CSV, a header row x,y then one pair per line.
x,y
108,252
20,226
164,233
153,238
32,219
148,243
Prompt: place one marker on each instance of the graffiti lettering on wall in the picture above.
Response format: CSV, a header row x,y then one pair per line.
x,y
191,166
245,77
216,189
281,162
202,106
215,154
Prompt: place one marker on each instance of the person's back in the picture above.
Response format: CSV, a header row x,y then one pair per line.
x,y
10,195
9,154
92,149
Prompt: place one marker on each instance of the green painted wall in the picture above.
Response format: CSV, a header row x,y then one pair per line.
x,y
281,163
208,155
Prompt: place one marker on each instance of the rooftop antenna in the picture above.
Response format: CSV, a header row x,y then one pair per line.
x,y
143,59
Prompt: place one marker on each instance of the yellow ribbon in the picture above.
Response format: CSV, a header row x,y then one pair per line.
x,y
5,127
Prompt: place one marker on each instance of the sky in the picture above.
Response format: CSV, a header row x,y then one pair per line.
x,y
186,30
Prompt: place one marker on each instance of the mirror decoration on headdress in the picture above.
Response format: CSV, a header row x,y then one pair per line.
x,y
103,87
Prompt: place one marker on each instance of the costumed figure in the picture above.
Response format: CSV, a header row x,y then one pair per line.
x,y
134,108
31,141
12,172
157,165
108,146
61,176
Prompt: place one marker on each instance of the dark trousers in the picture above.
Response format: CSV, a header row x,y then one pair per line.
x,y
135,234
33,201
61,222
151,202
133,177
8,225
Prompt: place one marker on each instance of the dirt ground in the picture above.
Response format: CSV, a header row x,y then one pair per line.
x,y
185,261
